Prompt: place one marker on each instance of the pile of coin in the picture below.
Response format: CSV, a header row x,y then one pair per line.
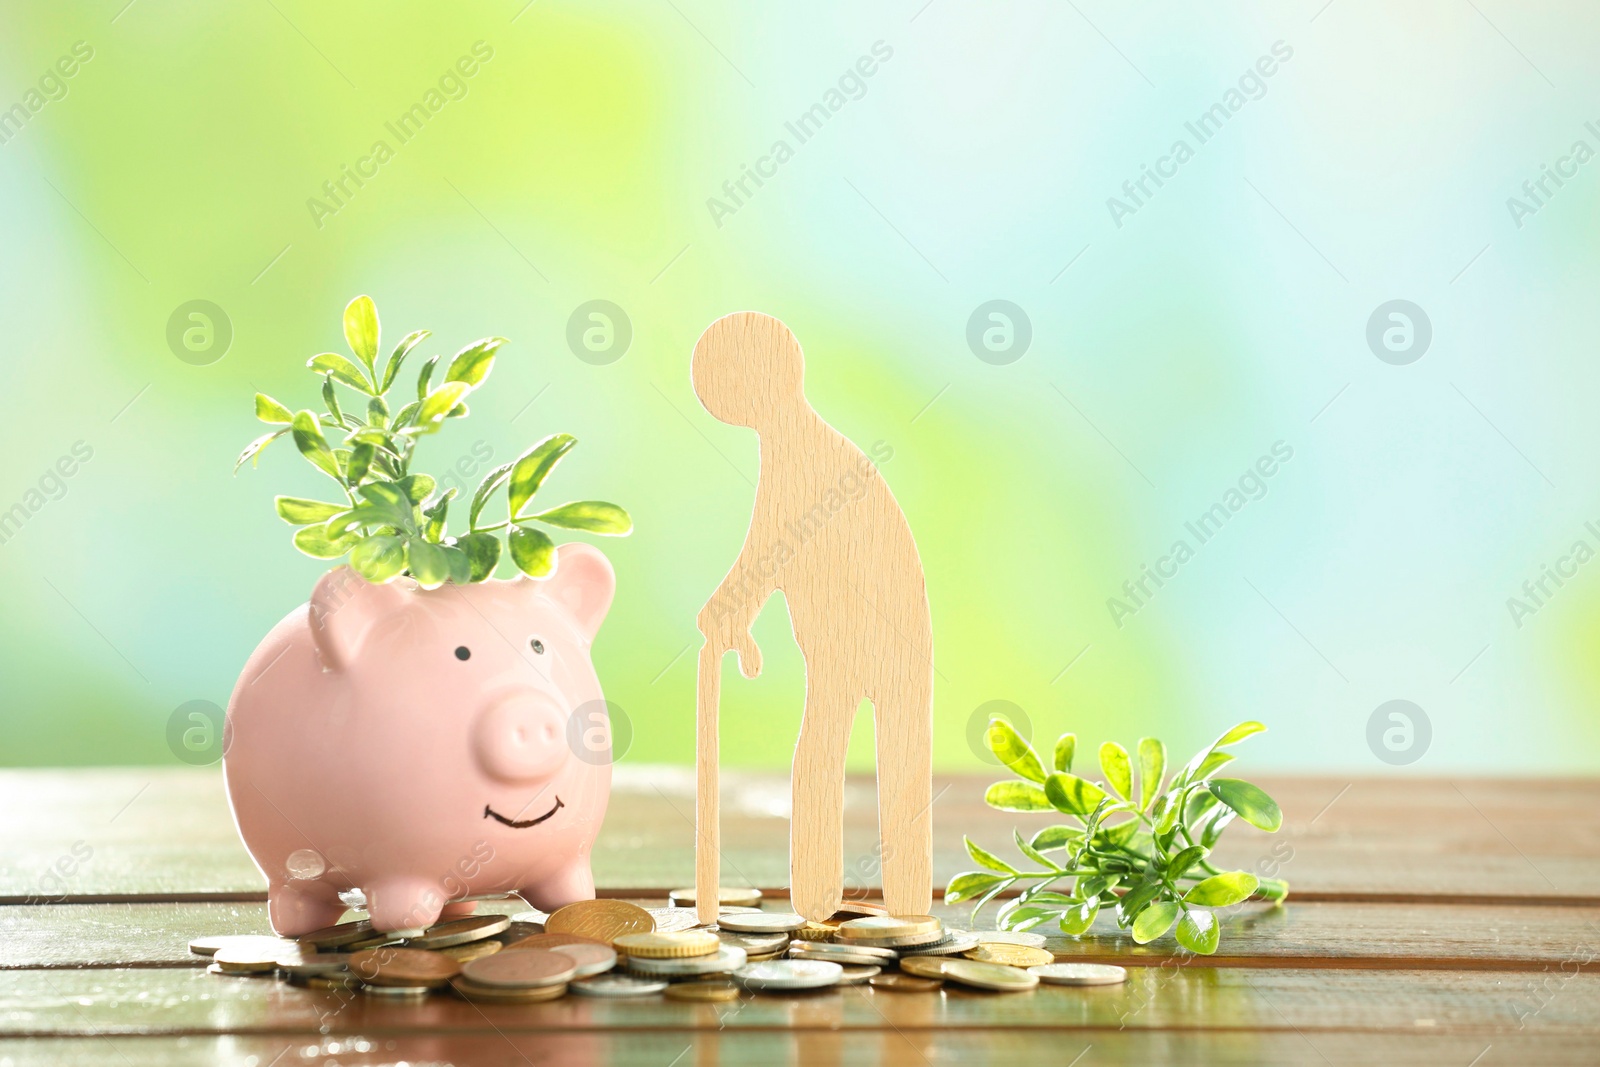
x,y
611,948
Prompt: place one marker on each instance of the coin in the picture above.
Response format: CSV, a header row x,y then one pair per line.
x,y
471,990
1080,973
1011,937
830,949
858,974
1010,955
752,943
852,909
916,929
760,922
703,991
838,957
992,976
727,958
208,946
471,950
789,974
403,967
603,920
955,942
671,920
904,941
400,991
338,936
816,931
550,941
373,940
591,959
617,985
246,959
905,983
522,969
314,964
459,931
685,898
532,915
924,966
517,931
670,945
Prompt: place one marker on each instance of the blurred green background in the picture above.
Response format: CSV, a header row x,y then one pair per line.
x,y
1172,345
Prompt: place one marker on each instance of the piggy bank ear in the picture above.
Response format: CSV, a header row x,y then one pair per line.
x,y
582,584
344,608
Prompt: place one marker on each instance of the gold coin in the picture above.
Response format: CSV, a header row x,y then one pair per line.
x,y
338,936
603,920
816,932
745,897
403,967
924,966
1010,955
550,941
667,946
883,927
858,974
459,931
208,946
703,991
472,950
995,977
242,959
471,990
904,983
854,909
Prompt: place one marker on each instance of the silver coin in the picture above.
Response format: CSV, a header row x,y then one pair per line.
x,y
859,975
1011,937
829,949
727,958
842,958
314,964
904,941
672,920
616,984
532,915
759,922
264,943
397,990
1080,973
755,944
591,959
789,974
954,944
517,931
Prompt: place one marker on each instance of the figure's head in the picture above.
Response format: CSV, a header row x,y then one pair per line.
x,y
746,368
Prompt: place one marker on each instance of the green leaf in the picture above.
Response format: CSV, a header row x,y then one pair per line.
x,y
379,515
1152,765
387,494
968,885
984,858
1016,796
1218,823
473,363
1092,886
1198,931
1273,889
992,892
312,445
483,549
336,365
1066,745
1026,918
1221,890
1012,750
459,563
1239,733
378,412
1118,835
533,552
425,376
1200,802
314,542
1071,794
1250,801
269,410
406,414
253,450
360,462
379,558
430,416
436,513
1167,810
430,566
1212,763
1135,900
416,487
491,481
1076,921
1032,853
1180,864
297,511
534,465
361,329
1117,767
593,516
1053,837
402,350
1154,921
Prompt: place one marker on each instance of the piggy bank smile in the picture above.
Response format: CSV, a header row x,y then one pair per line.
x,y
490,813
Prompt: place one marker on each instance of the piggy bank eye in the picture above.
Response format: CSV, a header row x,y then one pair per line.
x,y
537,646
463,652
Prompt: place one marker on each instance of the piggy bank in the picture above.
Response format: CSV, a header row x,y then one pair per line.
x,y
426,747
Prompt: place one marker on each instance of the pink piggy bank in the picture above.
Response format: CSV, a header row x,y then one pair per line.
x,y
426,747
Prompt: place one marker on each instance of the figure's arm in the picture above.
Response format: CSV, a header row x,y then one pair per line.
x,y
727,617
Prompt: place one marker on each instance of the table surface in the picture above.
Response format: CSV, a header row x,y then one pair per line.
x,y
1431,921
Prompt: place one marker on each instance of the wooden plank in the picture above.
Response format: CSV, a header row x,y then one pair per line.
x,y
815,1048
1190,1000
166,833
1503,937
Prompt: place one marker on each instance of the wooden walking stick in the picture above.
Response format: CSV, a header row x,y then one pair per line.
x,y
707,826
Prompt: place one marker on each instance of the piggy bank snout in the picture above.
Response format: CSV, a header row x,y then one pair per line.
x,y
521,738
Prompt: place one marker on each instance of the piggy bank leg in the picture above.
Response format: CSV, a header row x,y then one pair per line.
x,y
573,883
296,908
458,909
404,906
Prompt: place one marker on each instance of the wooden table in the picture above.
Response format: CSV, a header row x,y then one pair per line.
x,y
1446,923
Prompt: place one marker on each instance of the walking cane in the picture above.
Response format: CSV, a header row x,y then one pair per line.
x,y
707,827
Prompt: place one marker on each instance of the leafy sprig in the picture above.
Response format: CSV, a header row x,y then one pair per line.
x,y
1142,854
391,521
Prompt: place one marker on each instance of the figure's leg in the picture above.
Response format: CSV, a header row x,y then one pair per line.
x,y
816,846
296,908
904,721
404,906
572,883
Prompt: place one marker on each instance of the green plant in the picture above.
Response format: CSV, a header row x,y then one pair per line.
x,y
391,522
1143,854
